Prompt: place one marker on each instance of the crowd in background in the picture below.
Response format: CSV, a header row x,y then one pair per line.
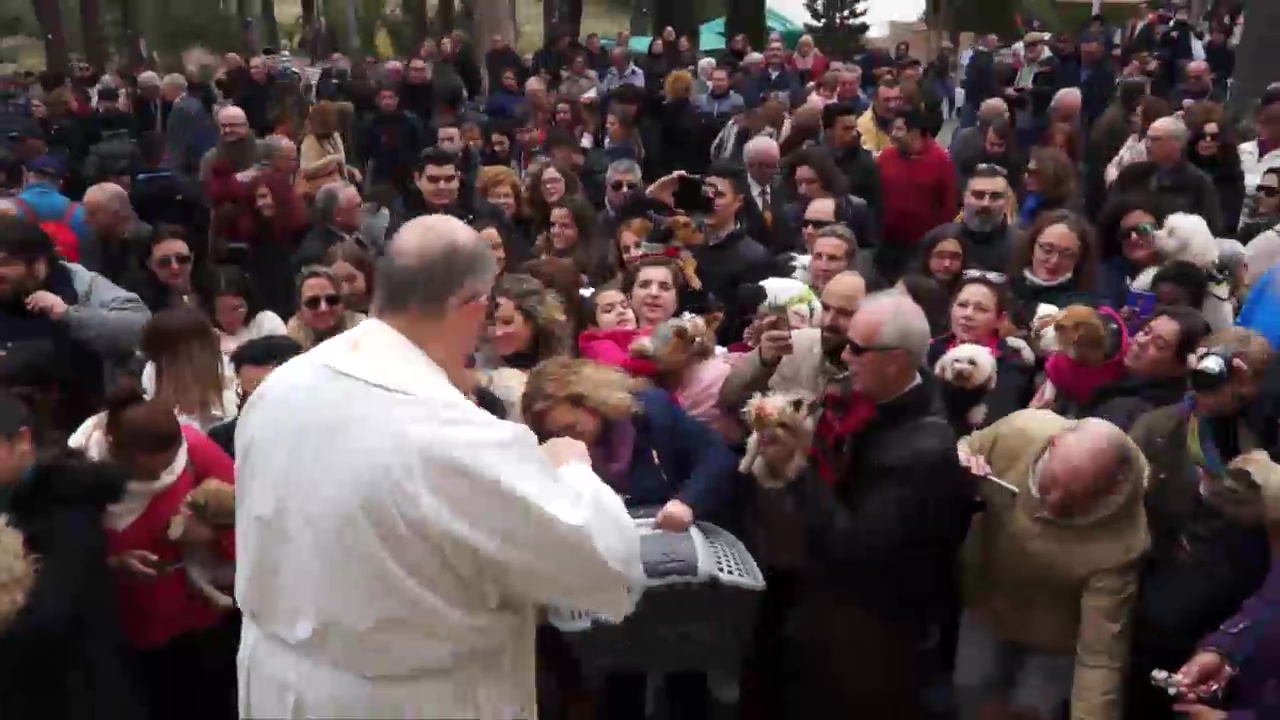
x,y
677,233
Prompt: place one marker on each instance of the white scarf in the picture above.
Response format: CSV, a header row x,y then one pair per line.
x,y
91,439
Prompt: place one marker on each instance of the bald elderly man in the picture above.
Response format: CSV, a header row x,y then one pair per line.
x,y
442,529
120,244
1053,577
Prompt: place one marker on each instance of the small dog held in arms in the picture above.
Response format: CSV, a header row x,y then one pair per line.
x,y
971,368
786,412
17,572
212,507
1090,345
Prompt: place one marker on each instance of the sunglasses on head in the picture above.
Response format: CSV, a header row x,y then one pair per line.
x,y
623,186
992,168
990,276
315,301
177,260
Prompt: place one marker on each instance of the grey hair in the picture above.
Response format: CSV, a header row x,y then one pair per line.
x,y
431,262
841,232
149,79
625,166
757,145
272,146
175,80
909,329
1063,94
1173,126
326,201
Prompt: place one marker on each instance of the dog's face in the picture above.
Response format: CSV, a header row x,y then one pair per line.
x,y
967,366
776,410
1081,335
214,502
686,231
1187,237
681,341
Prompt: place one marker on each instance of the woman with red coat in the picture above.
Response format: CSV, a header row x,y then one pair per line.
x,y
183,646
275,227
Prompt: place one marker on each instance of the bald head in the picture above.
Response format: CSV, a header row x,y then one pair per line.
x,y
1083,466
433,262
233,124
847,284
107,209
991,110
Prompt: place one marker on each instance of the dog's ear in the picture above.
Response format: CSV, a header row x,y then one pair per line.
x,y
798,405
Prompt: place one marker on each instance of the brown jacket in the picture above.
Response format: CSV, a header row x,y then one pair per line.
x,y
1057,587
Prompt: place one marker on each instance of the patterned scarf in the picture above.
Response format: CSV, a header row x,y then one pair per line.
x,y
843,414
1234,493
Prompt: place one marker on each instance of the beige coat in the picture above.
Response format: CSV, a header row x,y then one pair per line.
x,y
1057,587
802,372
314,150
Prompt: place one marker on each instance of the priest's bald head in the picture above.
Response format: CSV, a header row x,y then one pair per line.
x,y
433,286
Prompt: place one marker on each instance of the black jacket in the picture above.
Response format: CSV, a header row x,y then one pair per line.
x,y
724,267
64,655
1015,386
1122,402
1184,188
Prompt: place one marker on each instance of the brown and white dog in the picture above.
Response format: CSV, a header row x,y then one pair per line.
x,y
788,413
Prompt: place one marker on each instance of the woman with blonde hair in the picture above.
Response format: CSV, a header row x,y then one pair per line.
x,y
186,369
322,144
684,142
653,455
499,186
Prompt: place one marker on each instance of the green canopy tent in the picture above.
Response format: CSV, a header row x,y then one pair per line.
x,y
711,33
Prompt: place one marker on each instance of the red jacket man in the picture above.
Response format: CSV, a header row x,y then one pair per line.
x,y
918,187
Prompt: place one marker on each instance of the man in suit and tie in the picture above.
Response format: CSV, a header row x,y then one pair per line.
x,y
148,106
189,132
764,213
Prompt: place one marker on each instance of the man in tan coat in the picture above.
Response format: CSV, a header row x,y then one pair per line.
x,y
1052,567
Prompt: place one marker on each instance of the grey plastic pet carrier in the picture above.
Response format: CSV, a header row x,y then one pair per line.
x,y
695,611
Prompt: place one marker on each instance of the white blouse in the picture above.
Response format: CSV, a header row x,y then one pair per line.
x,y
263,324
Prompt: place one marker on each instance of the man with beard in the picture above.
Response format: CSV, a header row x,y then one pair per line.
x,y
801,361
56,331
236,147
984,226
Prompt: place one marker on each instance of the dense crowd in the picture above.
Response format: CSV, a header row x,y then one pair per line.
x,y
996,419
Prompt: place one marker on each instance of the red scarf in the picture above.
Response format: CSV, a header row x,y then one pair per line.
x,y
843,414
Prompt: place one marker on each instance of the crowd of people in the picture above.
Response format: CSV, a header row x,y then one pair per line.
x,y
355,376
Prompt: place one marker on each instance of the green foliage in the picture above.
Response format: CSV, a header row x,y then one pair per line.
x,y
837,26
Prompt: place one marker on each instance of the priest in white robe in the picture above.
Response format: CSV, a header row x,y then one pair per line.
x,y
394,540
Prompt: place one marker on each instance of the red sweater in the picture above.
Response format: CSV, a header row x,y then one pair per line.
x,y
155,610
918,193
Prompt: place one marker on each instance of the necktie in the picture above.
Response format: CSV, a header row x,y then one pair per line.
x,y
764,198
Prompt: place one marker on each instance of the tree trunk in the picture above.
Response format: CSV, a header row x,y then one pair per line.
x,y
132,32
270,27
49,15
308,14
353,30
446,12
416,12
95,43
574,18
492,17
1255,57
550,20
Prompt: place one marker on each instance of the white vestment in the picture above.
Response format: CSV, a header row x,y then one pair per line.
x,y
394,541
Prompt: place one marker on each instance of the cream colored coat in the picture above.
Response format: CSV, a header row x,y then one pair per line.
x,y
395,541
1065,588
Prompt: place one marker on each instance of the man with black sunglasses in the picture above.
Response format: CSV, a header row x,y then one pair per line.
x,y
622,182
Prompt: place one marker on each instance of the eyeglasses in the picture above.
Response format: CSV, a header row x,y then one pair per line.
x,y
811,224
990,276
858,350
175,260
315,301
623,186
1053,251
1268,190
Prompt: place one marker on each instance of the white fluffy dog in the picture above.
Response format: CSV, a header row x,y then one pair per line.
x,y
1184,237
969,367
1042,332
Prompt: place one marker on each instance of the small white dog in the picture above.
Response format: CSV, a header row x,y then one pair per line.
x,y
1042,332
1184,237
969,367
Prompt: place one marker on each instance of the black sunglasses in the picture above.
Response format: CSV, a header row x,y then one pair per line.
x,y
1211,137
1141,229
623,185
858,350
177,260
1268,190
315,301
818,224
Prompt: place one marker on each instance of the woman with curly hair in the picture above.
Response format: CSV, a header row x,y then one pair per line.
x,y
546,184
655,456
499,186
528,325
572,234
1050,184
